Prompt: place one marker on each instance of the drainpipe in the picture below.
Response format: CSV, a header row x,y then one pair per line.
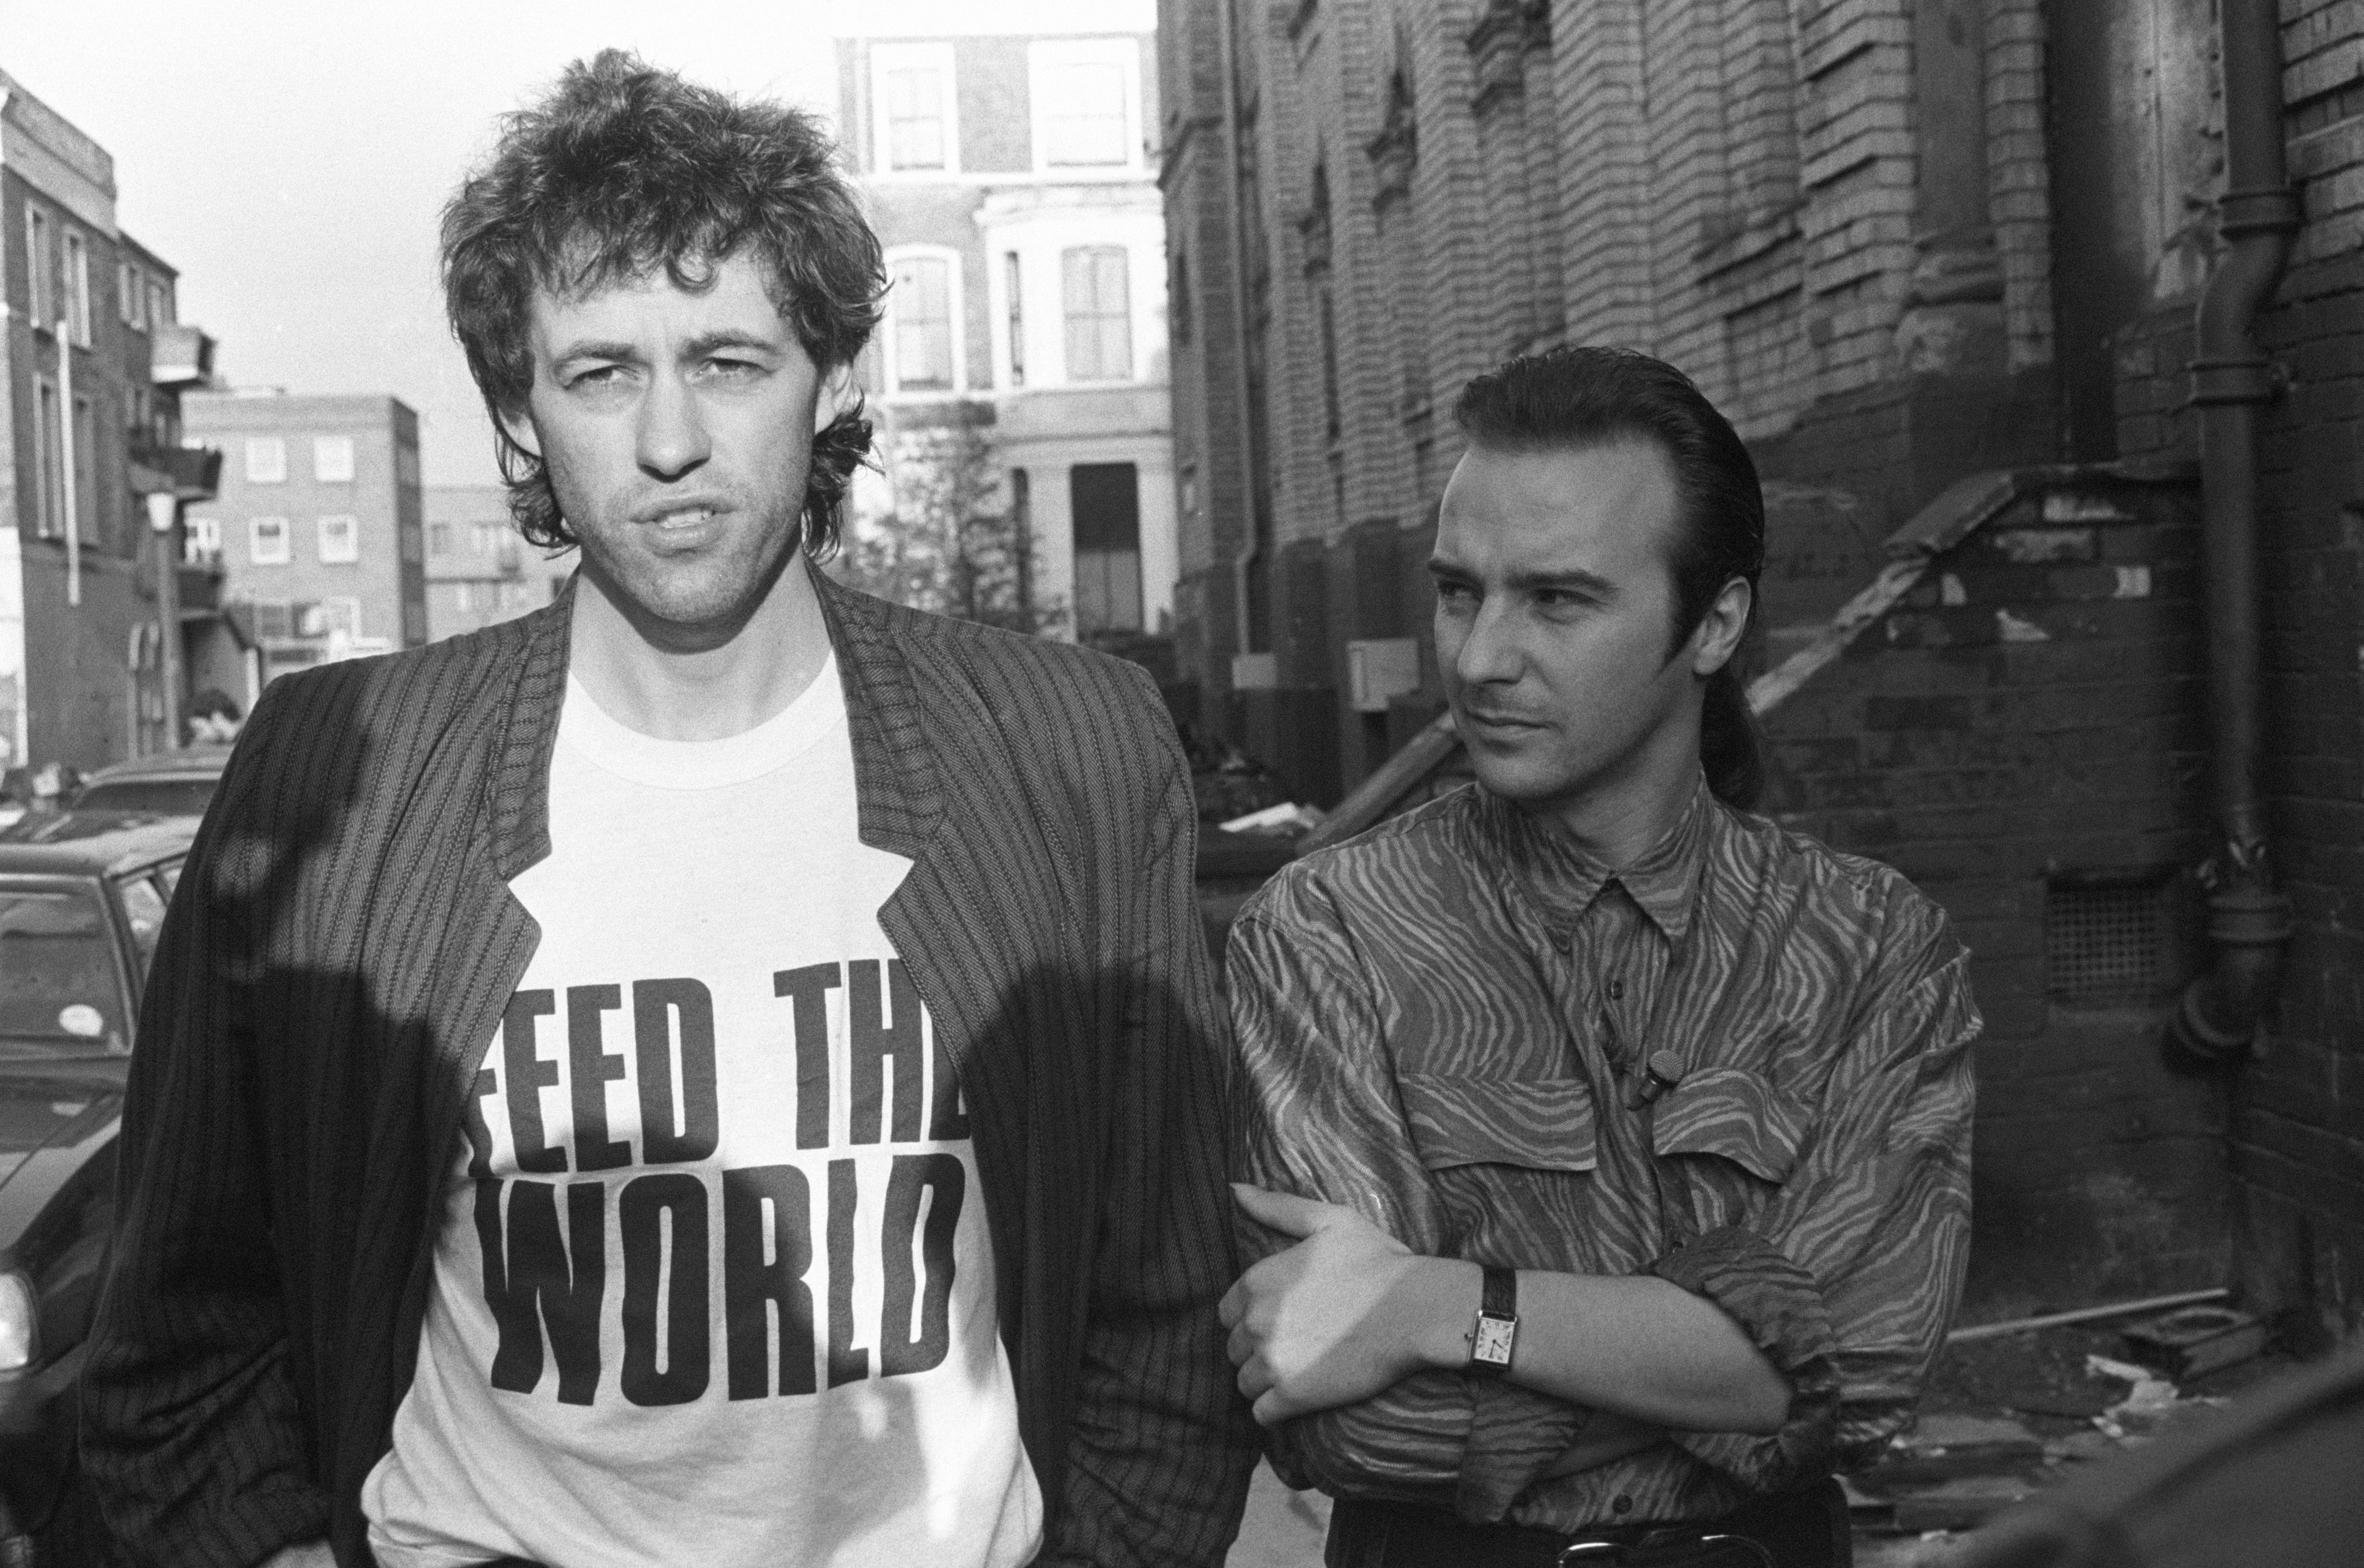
x,y
1244,560
2249,918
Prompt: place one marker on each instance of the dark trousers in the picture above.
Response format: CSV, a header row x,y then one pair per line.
x,y
1805,1529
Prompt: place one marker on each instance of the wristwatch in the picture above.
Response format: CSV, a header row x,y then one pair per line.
x,y
1497,1329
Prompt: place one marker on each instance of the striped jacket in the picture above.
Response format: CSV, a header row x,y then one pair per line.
x,y
343,941
1741,1063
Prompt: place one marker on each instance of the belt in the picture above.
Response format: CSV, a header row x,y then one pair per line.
x,y
1806,1528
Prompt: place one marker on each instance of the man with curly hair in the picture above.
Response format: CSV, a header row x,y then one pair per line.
x,y
721,1070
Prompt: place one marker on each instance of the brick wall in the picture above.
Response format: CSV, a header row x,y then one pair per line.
x,y
2024,728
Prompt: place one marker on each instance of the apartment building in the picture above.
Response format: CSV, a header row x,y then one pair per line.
x,y
93,362
1009,177
318,527
479,570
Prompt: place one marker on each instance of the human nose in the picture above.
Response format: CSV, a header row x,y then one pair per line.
x,y
1489,648
671,437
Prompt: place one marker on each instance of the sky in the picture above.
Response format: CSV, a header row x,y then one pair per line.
x,y
290,157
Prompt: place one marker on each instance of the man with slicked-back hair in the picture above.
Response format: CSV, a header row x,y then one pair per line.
x,y
717,1071
1605,1147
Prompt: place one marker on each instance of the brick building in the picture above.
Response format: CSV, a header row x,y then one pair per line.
x,y
317,530
92,361
1942,262
1008,177
479,570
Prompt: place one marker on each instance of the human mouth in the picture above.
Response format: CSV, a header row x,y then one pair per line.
x,y
1498,725
679,516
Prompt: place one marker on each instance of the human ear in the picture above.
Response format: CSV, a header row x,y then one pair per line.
x,y
1721,629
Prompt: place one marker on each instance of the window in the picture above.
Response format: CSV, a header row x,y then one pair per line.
x,y
131,295
160,303
438,538
915,123
332,459
267,541
1099,313
77,302
1012,288
38,267
484,539
1106,498
266,461
201,540
921,308
1083,99
49,444
329,617
274,620
1179,294
341,538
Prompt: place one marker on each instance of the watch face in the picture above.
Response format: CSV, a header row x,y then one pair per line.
x,y
1493,1341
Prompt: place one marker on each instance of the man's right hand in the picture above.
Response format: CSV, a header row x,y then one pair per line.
x,y
310,1554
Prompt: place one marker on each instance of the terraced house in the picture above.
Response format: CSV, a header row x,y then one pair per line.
x,y
93,361
2041,317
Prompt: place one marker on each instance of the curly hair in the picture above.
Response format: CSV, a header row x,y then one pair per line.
x,y
623,169
1578,395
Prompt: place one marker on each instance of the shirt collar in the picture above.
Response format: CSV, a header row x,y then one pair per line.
x,y
1564,881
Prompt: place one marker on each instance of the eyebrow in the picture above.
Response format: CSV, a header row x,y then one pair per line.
x,y
1569,577
696,348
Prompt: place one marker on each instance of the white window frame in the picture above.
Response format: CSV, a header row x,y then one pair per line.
x,y
1128,316
325,471
266,460
40,269
332,523
201,538
160,303
936,57
280,554
1045,55
956,302
77,279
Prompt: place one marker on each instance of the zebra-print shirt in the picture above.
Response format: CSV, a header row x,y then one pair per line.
x,y
1742,1065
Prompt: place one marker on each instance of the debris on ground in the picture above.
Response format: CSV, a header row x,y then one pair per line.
x,y
2196,1342
2002,1418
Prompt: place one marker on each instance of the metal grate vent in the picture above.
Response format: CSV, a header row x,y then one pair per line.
x,y
2101,944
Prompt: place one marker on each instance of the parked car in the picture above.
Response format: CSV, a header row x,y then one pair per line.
x,y
82,895
170,784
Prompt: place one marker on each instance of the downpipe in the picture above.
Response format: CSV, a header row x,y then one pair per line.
x,y
2248,915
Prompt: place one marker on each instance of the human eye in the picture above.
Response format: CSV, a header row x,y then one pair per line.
x,y
1455,596
594,377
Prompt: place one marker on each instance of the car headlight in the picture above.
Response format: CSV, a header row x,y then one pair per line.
x,y
19,1322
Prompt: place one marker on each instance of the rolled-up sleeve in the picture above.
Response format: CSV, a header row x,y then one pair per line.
x,y
1848,1281
1318,1115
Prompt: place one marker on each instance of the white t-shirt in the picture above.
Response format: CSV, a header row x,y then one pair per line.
x,y
714,1284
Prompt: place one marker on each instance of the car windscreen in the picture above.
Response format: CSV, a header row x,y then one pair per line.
x,y
163,798
59,986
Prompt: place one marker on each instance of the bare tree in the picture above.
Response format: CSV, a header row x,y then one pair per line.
x,y
957,542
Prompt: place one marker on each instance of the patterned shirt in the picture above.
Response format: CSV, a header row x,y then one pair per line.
x,y
1741,1064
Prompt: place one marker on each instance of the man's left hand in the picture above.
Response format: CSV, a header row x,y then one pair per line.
x,y
1346,1313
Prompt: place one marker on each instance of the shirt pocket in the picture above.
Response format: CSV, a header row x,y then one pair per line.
x,y
1735,1115
1540,1124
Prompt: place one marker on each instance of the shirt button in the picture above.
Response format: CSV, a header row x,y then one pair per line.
x,y
1621,1503
1616,989
1666,1067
